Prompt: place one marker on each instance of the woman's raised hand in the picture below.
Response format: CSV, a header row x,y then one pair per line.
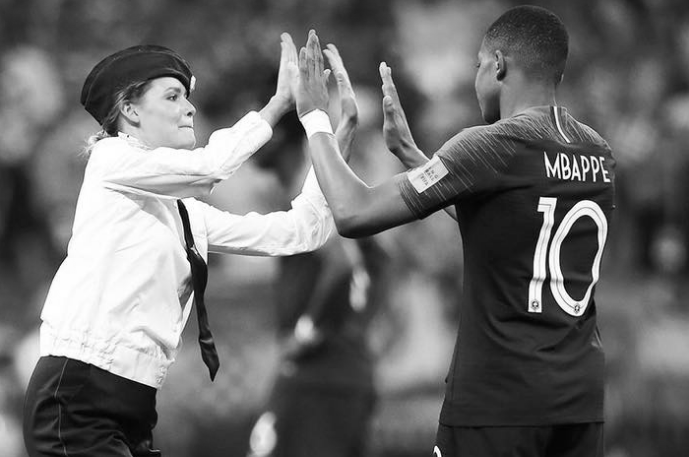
x,y
288,74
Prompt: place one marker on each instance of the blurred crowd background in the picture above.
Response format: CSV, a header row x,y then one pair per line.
x,y
627,76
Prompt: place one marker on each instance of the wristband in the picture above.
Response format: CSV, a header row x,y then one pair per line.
x,y
316,121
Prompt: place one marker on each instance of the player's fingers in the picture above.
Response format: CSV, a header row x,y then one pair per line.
x,y
389,87
390,91
309,55
317,56
333,57
332,48
389,107
287,38
385,73
303,65
334,63
343,79
289,46
386,76
341,76
314,48
283,53
381,70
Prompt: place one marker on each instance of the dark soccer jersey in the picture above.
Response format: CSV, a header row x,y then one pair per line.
x,y
534,196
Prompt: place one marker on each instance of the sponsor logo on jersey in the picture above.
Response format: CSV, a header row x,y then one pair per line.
x,y
436,452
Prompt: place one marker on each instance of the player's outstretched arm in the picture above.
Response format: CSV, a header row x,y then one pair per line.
x,y
396,131
358,209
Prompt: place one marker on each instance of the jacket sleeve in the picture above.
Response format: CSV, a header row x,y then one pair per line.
x,y
178,173
305,227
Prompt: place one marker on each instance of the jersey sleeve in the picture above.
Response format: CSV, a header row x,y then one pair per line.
x,y
471,162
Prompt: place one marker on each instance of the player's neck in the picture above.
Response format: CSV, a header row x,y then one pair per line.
x,y
519,98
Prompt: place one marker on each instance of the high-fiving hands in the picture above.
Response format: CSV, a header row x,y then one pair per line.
x,y
349,116
312,90
358,209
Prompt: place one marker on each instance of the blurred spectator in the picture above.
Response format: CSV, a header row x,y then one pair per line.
x,y
31,98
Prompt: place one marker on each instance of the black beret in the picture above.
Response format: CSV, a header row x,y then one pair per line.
x,y
135,64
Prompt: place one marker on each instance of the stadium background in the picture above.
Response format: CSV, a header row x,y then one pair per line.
x,y
627,76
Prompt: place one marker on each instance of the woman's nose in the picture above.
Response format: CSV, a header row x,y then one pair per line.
x,y
191,109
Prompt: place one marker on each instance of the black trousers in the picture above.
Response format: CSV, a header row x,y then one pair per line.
x,y
73,409
567,440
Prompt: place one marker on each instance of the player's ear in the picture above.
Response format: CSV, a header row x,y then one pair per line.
x,y
129,113
500,65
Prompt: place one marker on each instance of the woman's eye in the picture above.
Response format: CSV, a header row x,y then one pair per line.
x,y
173,97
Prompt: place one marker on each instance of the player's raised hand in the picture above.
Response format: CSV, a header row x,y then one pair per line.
x,y
288,73
312,92
349,116
350,110
396,132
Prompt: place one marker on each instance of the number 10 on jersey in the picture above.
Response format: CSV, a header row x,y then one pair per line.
x,y
546,257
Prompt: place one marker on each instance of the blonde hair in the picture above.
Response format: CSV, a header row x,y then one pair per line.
x,y
110,124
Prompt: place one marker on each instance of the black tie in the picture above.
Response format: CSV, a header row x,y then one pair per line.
x,y
199,279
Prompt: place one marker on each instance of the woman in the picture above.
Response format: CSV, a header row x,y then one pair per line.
x,y
117,306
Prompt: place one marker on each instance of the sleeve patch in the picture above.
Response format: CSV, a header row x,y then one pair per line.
x,y
424,177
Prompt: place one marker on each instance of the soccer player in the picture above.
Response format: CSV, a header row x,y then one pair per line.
x,y
533,191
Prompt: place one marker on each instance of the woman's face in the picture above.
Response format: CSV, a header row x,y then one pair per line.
x,y
166,117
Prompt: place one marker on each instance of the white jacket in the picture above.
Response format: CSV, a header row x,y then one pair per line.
x,y
123,294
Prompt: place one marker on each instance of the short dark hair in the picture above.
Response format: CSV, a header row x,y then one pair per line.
x,y
535,37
